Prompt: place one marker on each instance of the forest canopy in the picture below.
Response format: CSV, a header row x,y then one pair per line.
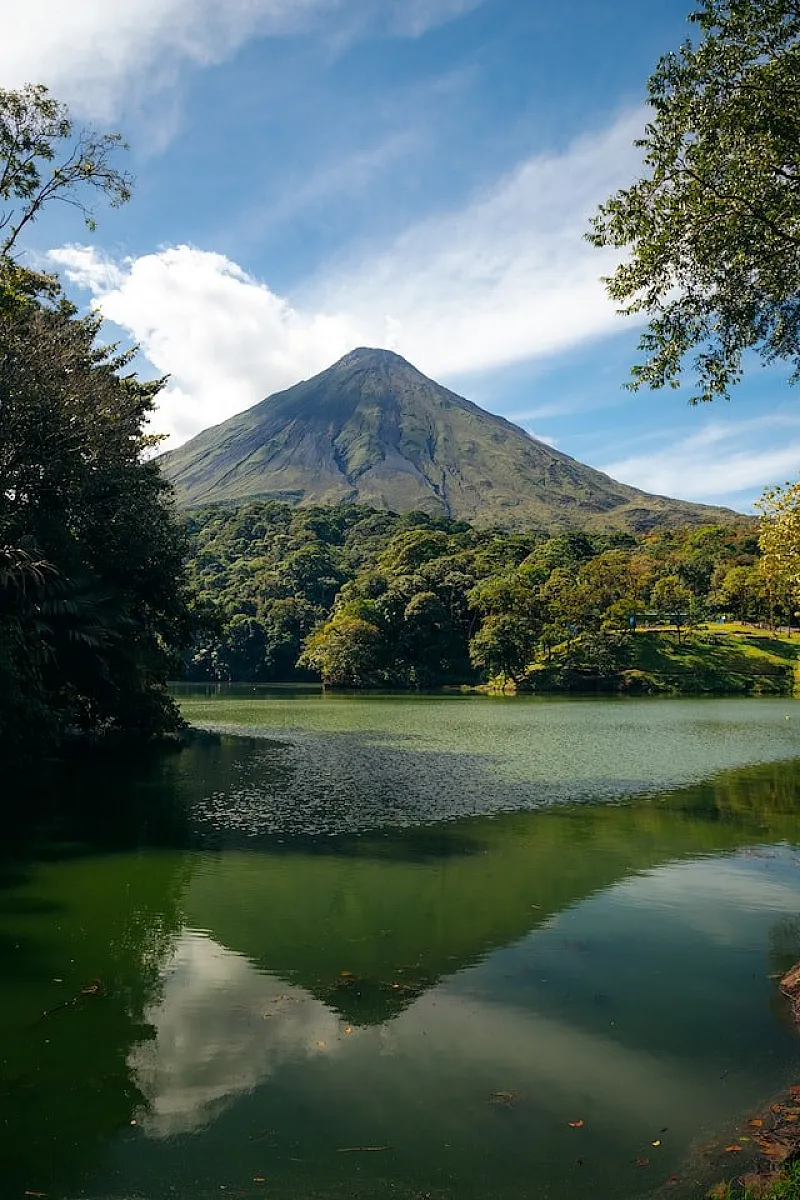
x,y
712,228
362,598
93,607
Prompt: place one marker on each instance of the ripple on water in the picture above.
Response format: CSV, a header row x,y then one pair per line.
x,y
329,783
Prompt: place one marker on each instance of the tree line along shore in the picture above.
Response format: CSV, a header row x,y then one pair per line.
x,y
360,598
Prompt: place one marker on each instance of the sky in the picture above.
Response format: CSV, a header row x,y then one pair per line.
x,y
316,175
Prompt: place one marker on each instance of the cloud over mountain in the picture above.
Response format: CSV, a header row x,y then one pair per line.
x,y
506,278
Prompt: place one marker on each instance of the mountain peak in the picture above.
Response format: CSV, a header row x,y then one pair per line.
x,y
372,429
371,355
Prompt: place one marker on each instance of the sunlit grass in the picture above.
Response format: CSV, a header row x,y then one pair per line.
x,y
785,1187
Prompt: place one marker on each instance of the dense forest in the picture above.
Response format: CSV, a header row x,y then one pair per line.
x,y
362,598
93,605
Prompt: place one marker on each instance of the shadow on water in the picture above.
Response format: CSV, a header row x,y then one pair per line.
x,y
248,905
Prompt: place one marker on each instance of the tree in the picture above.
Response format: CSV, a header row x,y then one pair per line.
x,y
345,652
107,603
92,599
742,592
780,545
713,225
44,158
503,645
673,602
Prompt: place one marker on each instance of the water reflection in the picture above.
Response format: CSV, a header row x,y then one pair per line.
x,y
457,993
632,1011
220,1029
106,925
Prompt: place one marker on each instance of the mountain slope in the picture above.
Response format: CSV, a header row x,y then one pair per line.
x,y
373,430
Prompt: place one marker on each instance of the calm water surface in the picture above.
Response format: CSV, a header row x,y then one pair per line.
x,y
397,947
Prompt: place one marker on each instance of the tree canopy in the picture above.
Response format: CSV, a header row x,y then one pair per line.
x,y
45,158
414,601
780,544
712,228
92,600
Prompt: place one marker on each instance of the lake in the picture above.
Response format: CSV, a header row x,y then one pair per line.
x,y
419,946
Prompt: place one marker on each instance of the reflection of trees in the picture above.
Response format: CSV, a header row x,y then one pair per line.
x,y
65,1086
784,942
784,953
762,798
375,921
364,922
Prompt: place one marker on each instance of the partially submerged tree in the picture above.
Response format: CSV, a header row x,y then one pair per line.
x,y
712,228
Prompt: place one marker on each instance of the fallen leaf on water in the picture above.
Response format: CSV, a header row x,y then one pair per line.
x,y
673,1179
321,1045
576,1124
348,1029
756,1123
657,1142
643,1162
259,1179
775,1148
345,974
733,1149
35,1193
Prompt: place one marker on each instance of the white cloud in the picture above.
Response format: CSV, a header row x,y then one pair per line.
x,y
412,18
508,278
93,52
721,459
221,1029
99,55
225,339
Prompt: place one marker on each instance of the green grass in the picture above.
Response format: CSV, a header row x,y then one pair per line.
x,y
785,1186
719,659
733,660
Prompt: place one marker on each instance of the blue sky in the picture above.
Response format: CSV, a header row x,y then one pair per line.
x,y
314,175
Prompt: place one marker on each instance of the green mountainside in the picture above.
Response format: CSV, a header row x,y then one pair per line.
x,y
374,430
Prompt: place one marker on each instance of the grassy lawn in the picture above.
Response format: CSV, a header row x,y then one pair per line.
x,y
714,659
731,658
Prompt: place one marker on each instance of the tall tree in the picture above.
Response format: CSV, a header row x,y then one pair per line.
x,y
78,498
713,226
780,546
91,567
